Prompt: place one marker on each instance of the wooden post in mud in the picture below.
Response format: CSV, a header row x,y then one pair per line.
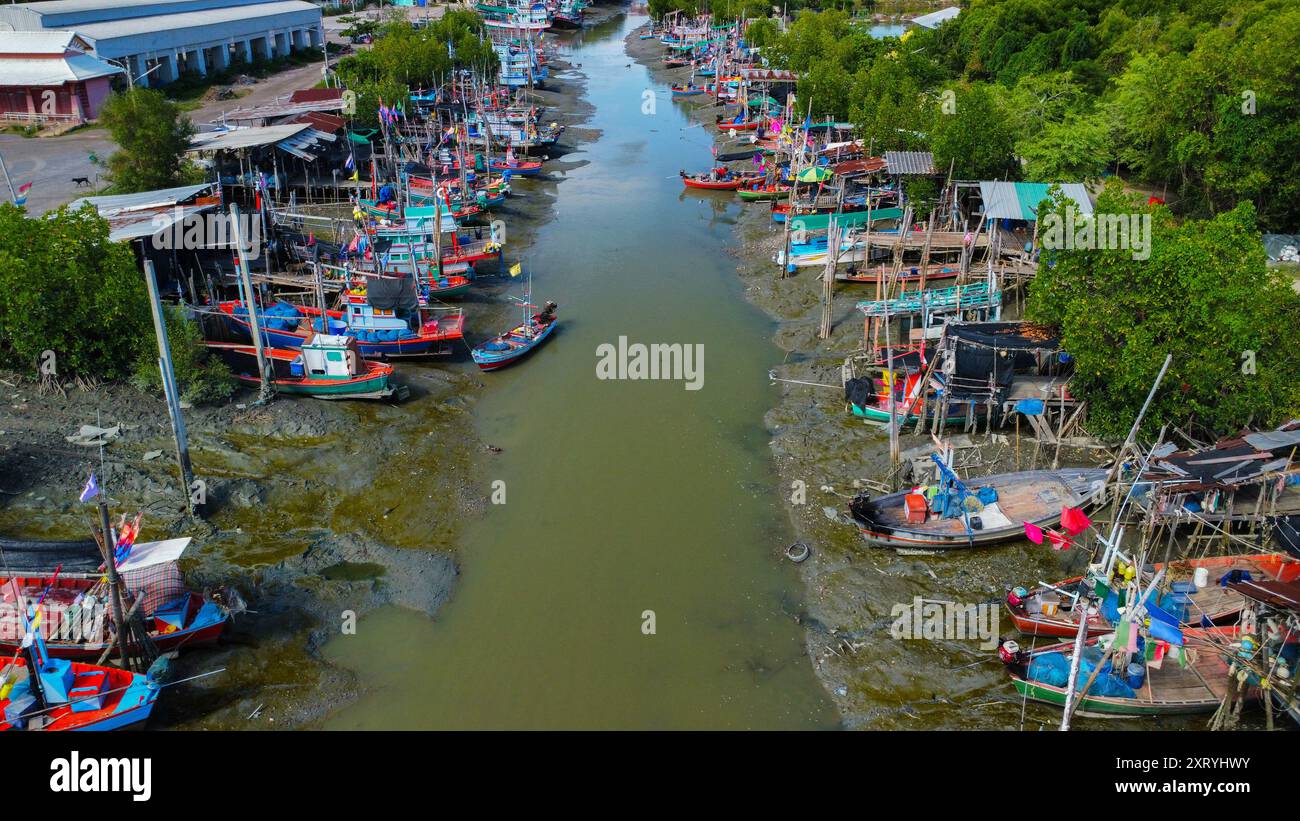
x,y
250,302
169,391
828,276
114,580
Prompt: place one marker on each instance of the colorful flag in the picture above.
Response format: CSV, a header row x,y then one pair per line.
x,y
1074,520
516,269
91,489
1033,533
21,197
351,162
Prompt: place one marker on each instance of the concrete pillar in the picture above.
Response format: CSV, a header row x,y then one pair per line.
x,y
247,47
196,61
282,44
219,58
314,37
264,46
168,72
137,65
301,39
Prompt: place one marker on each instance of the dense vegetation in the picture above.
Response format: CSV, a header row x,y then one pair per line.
x,y
152,136
1195,99
66,287
404,58
1205,295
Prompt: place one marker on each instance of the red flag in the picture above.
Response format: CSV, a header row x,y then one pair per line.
x,y
1074,520
1034,533
1059,540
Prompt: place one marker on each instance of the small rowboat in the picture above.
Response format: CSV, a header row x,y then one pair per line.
x,y
444,287
77,696
764,192
310,371
1214,603
1034,496
687,91
749,126
516,343
933,273
1170,690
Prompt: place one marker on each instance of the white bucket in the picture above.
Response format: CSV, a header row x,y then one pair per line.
x,y
1201,577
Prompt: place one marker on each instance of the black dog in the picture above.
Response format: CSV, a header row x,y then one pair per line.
x,y
80,181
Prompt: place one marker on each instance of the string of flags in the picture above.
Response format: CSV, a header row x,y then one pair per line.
x,y
1073,521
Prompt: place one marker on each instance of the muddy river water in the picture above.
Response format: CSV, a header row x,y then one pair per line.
x,y
632,575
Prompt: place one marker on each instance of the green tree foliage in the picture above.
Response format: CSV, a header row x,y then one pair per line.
x,y
1196,97
1205,295
65,287
975,140
404,57
152,136
201,378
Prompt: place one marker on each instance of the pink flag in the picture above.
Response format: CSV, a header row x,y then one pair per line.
x,y
1034,533
1059,540
1074,520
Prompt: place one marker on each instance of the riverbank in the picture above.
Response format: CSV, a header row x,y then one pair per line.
x,y
319,513
875,680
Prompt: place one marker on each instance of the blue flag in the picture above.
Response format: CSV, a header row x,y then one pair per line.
x,y
91,490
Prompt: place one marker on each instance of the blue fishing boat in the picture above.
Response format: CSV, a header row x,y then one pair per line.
x,y
518,342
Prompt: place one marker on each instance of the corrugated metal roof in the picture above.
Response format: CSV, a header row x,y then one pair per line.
x,y
910,162
162,198
934,18
237,138
36,42
1019,200
153,24
53,71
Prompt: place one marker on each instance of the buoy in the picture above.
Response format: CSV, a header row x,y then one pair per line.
x,y
798,552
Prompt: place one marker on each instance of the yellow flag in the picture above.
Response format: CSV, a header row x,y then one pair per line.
x,y
356,175
516,269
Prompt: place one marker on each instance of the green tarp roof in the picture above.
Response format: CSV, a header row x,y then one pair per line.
x,y
1019,200
853,219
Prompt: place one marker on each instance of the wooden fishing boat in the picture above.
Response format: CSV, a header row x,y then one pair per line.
x,y
1212,605
713,182
76,617
687,91
756,193
1172,689
312,371
517,342
1034,496
912,274
748,126
379,334
74,695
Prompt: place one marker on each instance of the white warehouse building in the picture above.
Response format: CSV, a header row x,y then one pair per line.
x,y
158,40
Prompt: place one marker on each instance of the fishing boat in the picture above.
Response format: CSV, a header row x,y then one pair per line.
x,y
933,273
1044,610
380,332
517,342
687,91
74,600
714,181
70,695
326,367
999,508
1171,689
763,192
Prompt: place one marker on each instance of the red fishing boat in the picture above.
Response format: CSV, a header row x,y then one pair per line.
x,y
720,179
69,695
